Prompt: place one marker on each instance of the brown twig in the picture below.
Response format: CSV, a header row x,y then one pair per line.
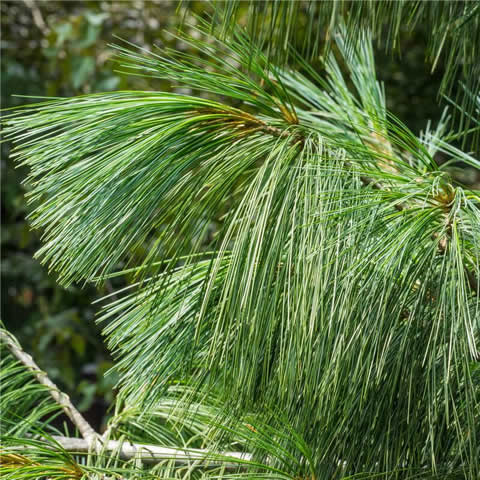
x,y
243,120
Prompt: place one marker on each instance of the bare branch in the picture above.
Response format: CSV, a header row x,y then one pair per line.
x,y
153,454
87,432
37,16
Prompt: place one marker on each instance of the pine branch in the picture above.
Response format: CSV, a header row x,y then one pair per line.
x,y
87,432
306,290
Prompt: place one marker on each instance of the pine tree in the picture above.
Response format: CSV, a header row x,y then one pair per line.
x,y
307,305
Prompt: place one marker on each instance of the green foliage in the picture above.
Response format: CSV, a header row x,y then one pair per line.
x,y
56,325
453,29
308,293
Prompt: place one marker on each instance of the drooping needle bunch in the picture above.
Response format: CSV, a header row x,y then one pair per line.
x,y
309,295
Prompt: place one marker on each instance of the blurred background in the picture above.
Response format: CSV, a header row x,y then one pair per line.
x,y
61,48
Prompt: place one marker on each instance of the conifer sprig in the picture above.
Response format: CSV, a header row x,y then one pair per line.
x,y
331,316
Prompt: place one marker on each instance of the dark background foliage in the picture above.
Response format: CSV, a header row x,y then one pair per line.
x,y
54,48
